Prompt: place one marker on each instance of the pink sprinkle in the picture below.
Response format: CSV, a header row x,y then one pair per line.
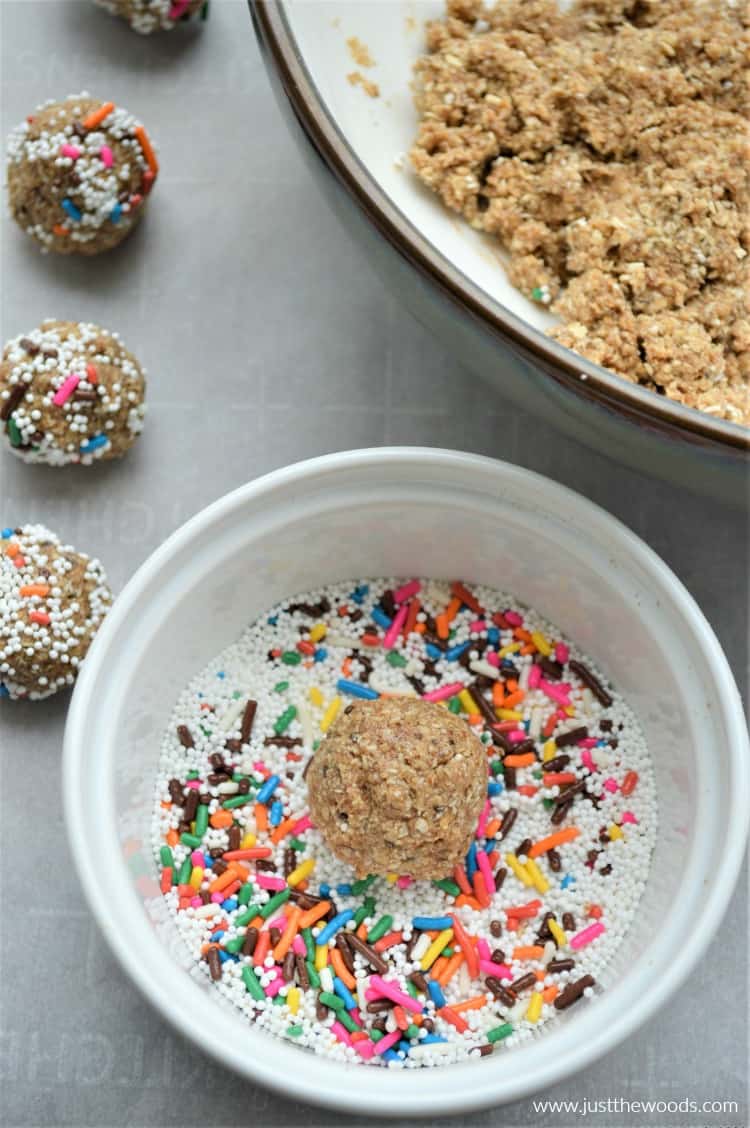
x,y
268,881
513,618
197,859
562,652
587,760
71,151
217,898
364,1047
389,1040
586,935
587,742
493,659
305,823
392,992
404,881
628,817
556,693
66,389
195,902
260,766
501,971
482,824
278,922
611,784
442,693
196,784
517,735
396,627
535,676
274,988
483,948
478,625
178,9
407,591
341,1033
485,869
298,946
106,155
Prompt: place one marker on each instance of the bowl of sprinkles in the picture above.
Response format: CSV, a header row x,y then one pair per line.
x,y
391,661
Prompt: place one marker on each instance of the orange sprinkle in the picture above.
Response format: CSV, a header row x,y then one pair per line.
x,y
450,968
96,117
341,969
262,947
388,941
221,819
172,837
148,149
362,931
420,628
411,618
310,916
476,1003
493,827
441,623
223,880
166,805
261,816
549,994
40,617
493,857
551,779
480,889
529,648
527,789
498,694
452,609
401,1017
283,829
470,902
461,880
463,940
522,761
35,589
60,229
358,1035
567,834
438,967
456,1020
292,926
370,640
522,634
514,699
528,952
346,667
13,549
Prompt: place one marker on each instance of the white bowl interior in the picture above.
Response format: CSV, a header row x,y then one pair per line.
x,y
382,130
403,514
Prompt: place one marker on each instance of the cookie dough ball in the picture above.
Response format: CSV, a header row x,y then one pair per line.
x,y
397,786
79,173
70,392
147,16
52,600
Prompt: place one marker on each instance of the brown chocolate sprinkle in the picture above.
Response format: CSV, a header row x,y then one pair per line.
x,y
346,952
572,736
521,984
554,859
288,966
185,736
302,973
509,779
486,1049
590,680
372,957
498,955
561,810
573,992
569,922
251,939
379,1006
290,861
17,392
509,818
484,706
419,981
495,987
29,346
235,837
557,764
524,847
248,716
214,963
555,966
275,934
282,742
191,805
500,875
496,928
321,1010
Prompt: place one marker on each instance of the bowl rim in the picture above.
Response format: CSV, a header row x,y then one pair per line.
x,y
332,1083
575,373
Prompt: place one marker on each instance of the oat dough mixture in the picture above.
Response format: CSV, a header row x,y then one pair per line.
x,y
606,147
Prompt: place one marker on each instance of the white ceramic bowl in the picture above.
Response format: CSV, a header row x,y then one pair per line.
x,y
406,512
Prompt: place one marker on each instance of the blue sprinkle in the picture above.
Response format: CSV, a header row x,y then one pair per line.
x,y
273,620
354,689
216,936
325,889
404,1046
344,993
493,636
455,652
359,593
430,1039
4,691
433,652
489,845
320,654
94,444
221,674
425,923
507,664
380,617
471,860
224,956
230,904
494,787
333,926
567,880
116,214
268,789
276,813
344,889
436,994
208,862
390,1055
71,209
6,533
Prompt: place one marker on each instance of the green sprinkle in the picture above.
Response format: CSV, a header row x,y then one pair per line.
x,y
365,910
548,803
309,939
376,1035
362,885
297,844
454,705
316,745
332,1001
499,1033
236,801
283,722
411,1031
345,1020
204,16
252,983
312,974
278,1000
236,694
276,902
13,433
537,775
395,659
166,856
291,657
292,1031
537,294
205,731
411,989
245,917
183,877
245,893
447,952
191,775
191,840
234,945
201,820
497,767
379,929
448,886
280,687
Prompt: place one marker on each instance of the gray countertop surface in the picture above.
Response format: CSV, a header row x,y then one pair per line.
x,y
268,339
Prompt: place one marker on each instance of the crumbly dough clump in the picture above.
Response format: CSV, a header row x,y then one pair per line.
x,y
52,600
70,392
606,147
397,787
148,16
79,174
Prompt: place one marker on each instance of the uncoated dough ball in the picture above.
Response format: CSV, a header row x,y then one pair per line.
x,y
52,600
397,786
70,392
147,16
79,172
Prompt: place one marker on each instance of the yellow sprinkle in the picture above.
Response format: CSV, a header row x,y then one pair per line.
x,y
570,710
560,936
319,631
468,704
316,696
303,870
549,750
292,999
534,1009
537,877
615,831
391,877
436,948
519,869
248,841
321,956
541,643
196,877
511,648
330,714
509,714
